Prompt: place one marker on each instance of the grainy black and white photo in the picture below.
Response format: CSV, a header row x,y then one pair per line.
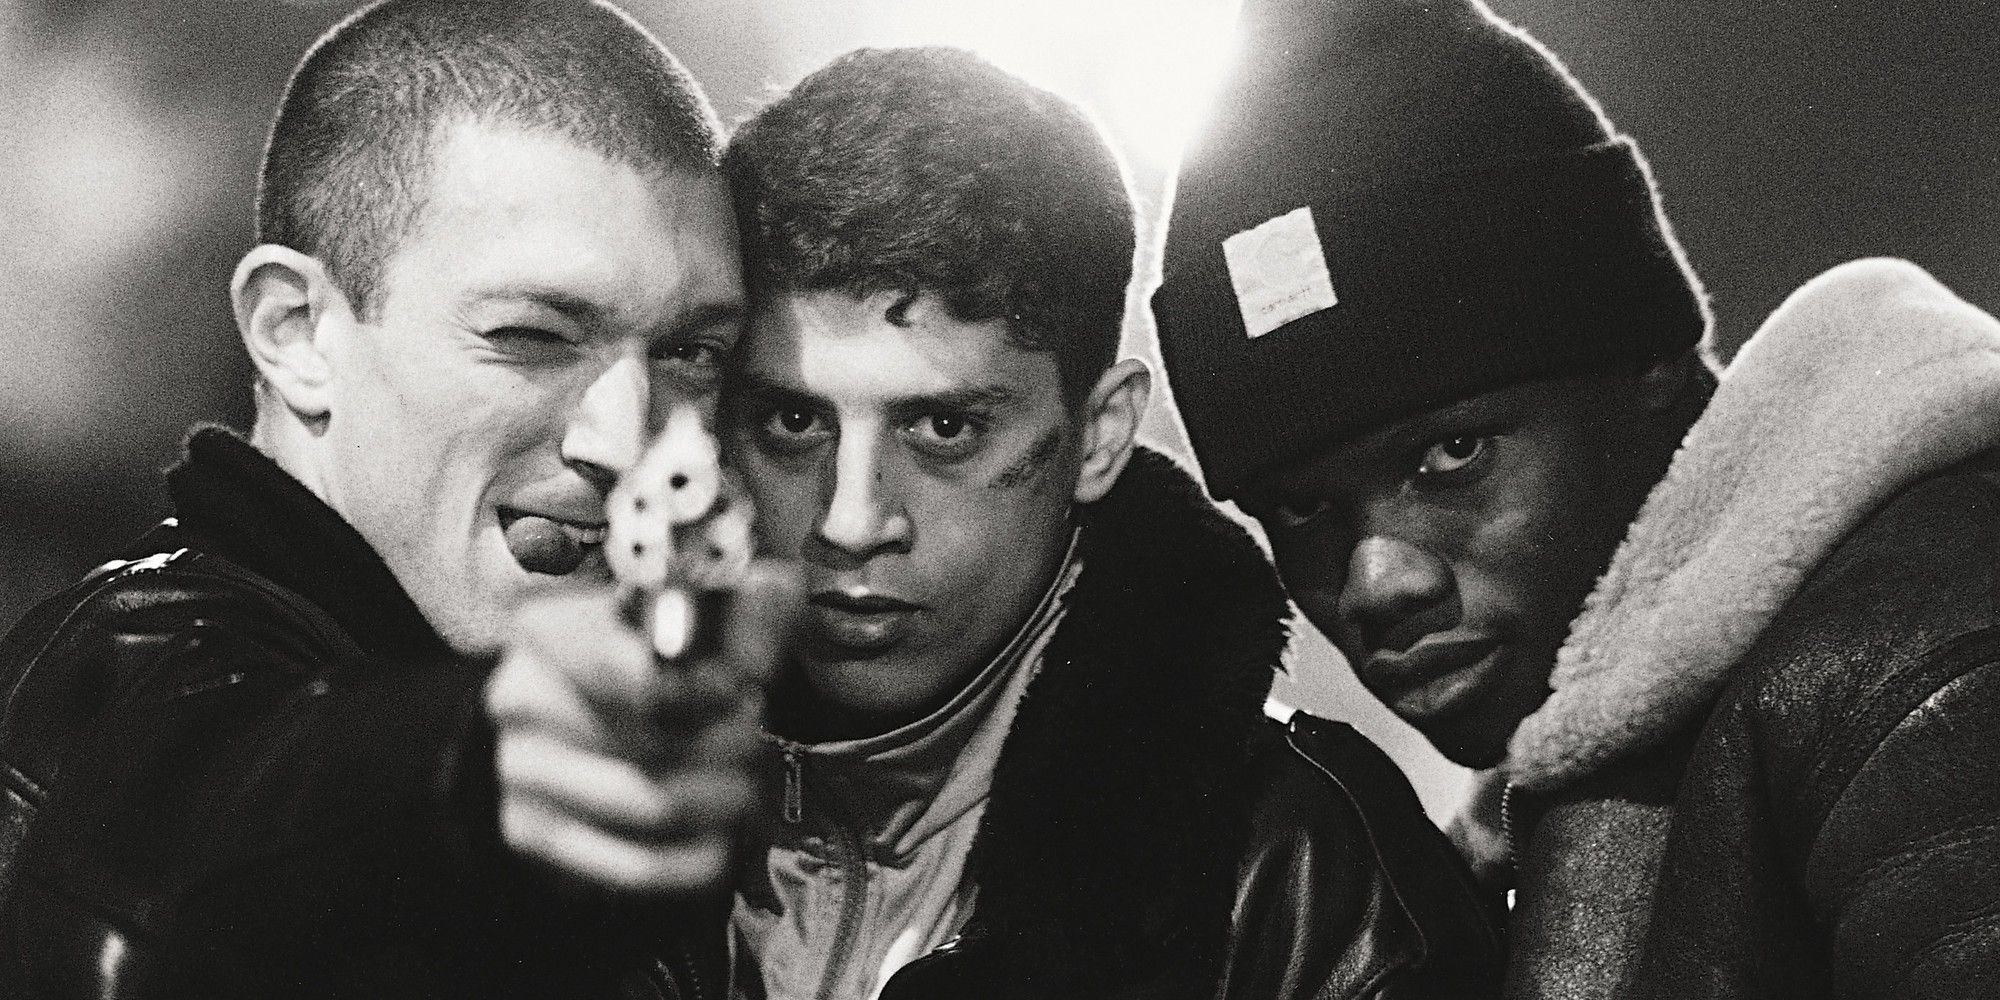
x,y
999,500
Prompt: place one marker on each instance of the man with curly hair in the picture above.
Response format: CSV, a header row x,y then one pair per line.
x,y
1020,748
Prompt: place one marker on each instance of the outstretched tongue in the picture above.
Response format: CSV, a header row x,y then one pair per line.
x,y
542,546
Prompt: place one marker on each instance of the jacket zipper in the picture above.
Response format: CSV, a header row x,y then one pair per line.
x,y
1513,850
795,780
853,905
846,851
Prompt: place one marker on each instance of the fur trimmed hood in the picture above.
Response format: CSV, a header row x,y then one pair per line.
x,y
1869,378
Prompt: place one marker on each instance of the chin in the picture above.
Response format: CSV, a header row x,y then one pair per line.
x,y
869,688
859,686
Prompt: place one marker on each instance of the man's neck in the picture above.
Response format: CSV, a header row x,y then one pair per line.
x,y
285,440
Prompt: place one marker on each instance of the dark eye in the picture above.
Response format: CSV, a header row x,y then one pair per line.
x,y
1452,455
792,430
945,434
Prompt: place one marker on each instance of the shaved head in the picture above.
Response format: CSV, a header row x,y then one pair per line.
x,y
348,162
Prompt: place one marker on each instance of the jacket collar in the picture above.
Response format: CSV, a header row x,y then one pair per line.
x,y
1869,378
246,509
1117,817
901,788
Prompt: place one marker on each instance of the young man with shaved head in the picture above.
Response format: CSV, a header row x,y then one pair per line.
x,y
1019,747
254,756
1729,655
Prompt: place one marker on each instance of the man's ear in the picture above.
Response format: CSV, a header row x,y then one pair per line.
x,y
281,298
1111,419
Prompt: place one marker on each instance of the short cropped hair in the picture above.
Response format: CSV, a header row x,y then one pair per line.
x,y
346,168
930,170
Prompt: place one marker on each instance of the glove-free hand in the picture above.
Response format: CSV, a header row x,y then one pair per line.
x,y
617,772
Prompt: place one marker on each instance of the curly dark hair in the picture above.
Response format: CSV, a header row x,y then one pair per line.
x,y
929,170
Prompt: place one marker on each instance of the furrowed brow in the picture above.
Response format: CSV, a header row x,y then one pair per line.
x,y
750,385
970,397
573,307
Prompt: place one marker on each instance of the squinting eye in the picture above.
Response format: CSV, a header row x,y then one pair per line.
x,y
529,341
1453,454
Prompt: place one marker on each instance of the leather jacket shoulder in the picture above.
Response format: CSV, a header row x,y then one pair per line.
x,y
1835,833
1347,889
214,791
132,618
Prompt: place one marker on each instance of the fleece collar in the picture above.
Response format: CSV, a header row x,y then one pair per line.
x,y
1870,377
1118,815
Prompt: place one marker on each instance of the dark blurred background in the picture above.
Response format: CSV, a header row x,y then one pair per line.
x,y
1787,135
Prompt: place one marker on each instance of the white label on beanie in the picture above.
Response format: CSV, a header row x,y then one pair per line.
x,y
1279,272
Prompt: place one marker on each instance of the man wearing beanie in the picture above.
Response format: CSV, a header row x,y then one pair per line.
x,y
1728,650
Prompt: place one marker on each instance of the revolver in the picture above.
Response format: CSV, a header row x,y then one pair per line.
x,y
678,538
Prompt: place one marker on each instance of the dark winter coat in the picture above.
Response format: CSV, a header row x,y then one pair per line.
x,y
1838,830
239,763
1768,769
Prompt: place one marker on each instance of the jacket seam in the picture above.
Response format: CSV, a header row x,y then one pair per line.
x,y
1958,932
1955,659
1373,983
1978,828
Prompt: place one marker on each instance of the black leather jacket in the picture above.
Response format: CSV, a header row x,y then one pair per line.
x,y
238,763
1837,832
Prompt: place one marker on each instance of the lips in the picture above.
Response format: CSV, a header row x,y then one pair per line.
x,y
858,623
1435,679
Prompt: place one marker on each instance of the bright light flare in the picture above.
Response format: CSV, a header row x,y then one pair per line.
x,y
1146,69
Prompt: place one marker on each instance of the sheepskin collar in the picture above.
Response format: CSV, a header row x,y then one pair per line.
x,y
1117,818
1870,377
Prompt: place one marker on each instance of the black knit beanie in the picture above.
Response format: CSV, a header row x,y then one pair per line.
x,y
1399,204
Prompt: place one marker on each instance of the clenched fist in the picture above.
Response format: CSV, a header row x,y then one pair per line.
x,y
619,770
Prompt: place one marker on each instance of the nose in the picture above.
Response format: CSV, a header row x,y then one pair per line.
x,y
1396,593
608,429
864,515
